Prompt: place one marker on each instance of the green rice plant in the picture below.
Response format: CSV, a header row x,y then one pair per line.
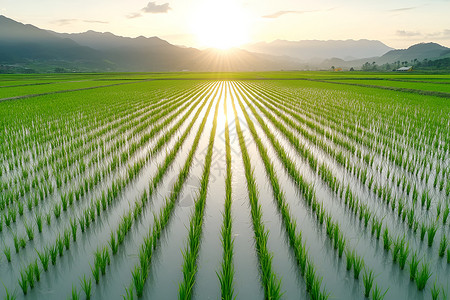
x,y
387,241
398,245
413,266
30,275
7,252
66,239
446,211
60,245
310,277
96,273
53,254
64,202
404,253
82,224
138,280
22,243
48,219
431,232
44,257
358,264
86,285
9,296
113,243
341,245
75,295
74,228
57,210
448,255
377,294
30,204
422,276
39,222
443,245
23,282
36,270
368,278
435,291
16,243
129,293
423,230
30,231
20,207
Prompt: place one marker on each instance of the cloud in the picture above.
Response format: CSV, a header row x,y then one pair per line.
x,y
299,12
405,33
95,21
444,34
64,22
134,15
153,8
402,9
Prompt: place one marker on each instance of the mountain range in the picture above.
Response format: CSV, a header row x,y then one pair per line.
x,y
29,48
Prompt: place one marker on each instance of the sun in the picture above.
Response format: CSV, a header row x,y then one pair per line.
x,y
220,24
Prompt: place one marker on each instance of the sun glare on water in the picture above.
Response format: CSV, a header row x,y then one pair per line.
x,y
220,24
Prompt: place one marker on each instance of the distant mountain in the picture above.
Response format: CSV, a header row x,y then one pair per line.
x,y
26,48
409,56
21,43
419,51
314,50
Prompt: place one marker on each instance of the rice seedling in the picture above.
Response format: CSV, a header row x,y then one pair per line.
x,y
349,259
86,285
138,280
387,241
423,230
377,293
404,253
431,232
23,282
44,257
16,243
75,295
39,222
36,270
7,252
96,273
422,276
48,219
30,231
443,245
435,291
368,278
53,254
358,264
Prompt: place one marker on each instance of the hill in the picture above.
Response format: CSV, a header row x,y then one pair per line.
x,y
316,51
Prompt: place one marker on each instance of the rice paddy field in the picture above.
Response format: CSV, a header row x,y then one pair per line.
x,y
288,185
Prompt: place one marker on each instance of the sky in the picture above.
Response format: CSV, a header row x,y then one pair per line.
x,y
211,23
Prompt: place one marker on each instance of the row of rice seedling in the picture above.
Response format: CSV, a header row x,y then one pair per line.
x,y
153,107
226,272
339,124
313,282
270,281
68,199
190,253
140,273
410,219
89,214
332,228
332,182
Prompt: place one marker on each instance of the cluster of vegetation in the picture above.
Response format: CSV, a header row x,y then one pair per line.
x,y
357,164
